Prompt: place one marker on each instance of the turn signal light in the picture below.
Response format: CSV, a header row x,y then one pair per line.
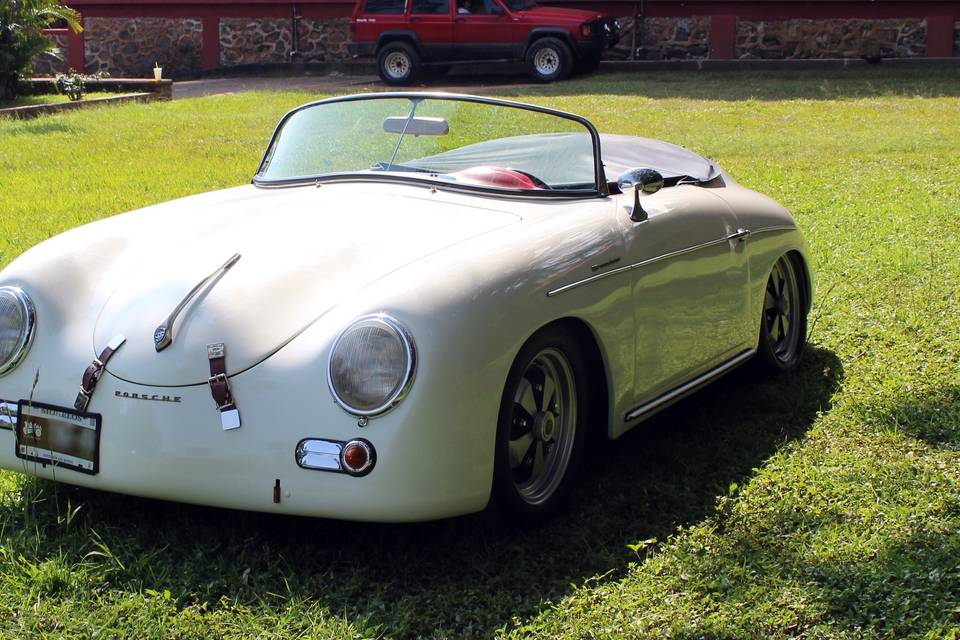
x,y
358,457
585,30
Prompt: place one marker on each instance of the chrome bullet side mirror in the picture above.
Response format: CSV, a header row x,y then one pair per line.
x,y
639,180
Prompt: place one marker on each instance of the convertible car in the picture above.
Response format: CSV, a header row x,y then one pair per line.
x,y
422,303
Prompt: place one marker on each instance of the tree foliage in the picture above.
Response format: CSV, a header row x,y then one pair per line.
x,y
21,36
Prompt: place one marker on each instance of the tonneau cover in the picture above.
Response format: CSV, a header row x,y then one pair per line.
x,y
620,153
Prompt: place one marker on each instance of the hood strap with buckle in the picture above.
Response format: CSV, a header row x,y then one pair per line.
x,y
220,386
92,375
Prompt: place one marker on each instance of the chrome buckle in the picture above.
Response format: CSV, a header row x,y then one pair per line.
x,y
220,377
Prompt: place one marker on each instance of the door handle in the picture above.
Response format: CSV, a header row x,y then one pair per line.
x,y
739,234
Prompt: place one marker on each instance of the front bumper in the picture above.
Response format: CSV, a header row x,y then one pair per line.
x,y
605,34
167,443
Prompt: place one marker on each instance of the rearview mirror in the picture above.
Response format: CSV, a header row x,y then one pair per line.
x,y
644,180
416,126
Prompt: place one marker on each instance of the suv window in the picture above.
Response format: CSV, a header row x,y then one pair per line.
x,y
384,6
476,7
431,6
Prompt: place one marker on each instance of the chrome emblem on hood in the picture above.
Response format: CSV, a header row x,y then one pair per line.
x,y
155,397
159,335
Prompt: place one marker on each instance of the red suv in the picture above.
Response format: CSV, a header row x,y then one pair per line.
x,y
406,35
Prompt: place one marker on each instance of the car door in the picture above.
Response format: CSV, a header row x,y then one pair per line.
x,y
690,292
482,30
433,24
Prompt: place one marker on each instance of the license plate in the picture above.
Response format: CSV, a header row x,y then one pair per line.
x,y
58,436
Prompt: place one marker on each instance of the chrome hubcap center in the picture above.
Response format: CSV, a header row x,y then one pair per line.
x,y
545,426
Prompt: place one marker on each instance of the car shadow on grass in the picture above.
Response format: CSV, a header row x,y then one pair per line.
x,y
468,576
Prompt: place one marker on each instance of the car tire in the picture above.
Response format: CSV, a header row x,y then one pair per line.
x,y
398,63
549,59
541,428
783,318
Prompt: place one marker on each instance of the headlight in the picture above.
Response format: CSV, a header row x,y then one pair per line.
x,y
17,320
371,365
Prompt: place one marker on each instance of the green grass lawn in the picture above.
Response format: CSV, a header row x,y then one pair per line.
x,y
824,504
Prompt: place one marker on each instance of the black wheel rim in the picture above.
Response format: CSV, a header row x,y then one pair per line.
x,y
781,310
543,426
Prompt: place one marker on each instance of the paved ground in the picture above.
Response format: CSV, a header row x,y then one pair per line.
x,y
336,82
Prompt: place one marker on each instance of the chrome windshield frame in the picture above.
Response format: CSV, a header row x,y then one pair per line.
x,y
600,181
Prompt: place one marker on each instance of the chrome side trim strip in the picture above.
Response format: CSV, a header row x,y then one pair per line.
x,y
661,402
8,415
781,227
635,265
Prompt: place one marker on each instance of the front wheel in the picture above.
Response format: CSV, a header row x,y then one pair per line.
x,y
541,427
549,59
783,322
398,63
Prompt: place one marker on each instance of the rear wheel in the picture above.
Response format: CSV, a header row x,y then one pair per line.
x,y
398,63
783,322
540,433
549,59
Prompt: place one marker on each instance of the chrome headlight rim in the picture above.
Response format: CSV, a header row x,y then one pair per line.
x,y
26,340
409,348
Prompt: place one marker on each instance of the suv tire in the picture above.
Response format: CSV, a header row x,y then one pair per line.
x,y
549,59
398,63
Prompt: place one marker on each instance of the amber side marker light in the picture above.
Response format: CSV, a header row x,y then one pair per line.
x,y
358,457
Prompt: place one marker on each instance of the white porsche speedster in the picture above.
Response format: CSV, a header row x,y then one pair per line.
x,y
421,302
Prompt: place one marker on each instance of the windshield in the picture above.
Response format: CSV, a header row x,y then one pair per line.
x,y
459,141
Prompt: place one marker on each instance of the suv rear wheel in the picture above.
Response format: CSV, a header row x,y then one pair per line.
x,y
398,63
549,59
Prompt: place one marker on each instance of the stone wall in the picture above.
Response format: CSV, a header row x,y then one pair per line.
x,y
48,65
270,40
837,38
664,39
129,47
324,40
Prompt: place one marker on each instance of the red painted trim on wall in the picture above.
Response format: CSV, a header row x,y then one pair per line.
x,y
770,10
723,36
750,10
725,13
76,58
939,36
210,51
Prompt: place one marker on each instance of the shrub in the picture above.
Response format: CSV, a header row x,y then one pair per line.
x,y
21,39
74,84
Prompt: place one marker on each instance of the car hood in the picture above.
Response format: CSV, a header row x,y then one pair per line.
x,y
559,13
302,251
